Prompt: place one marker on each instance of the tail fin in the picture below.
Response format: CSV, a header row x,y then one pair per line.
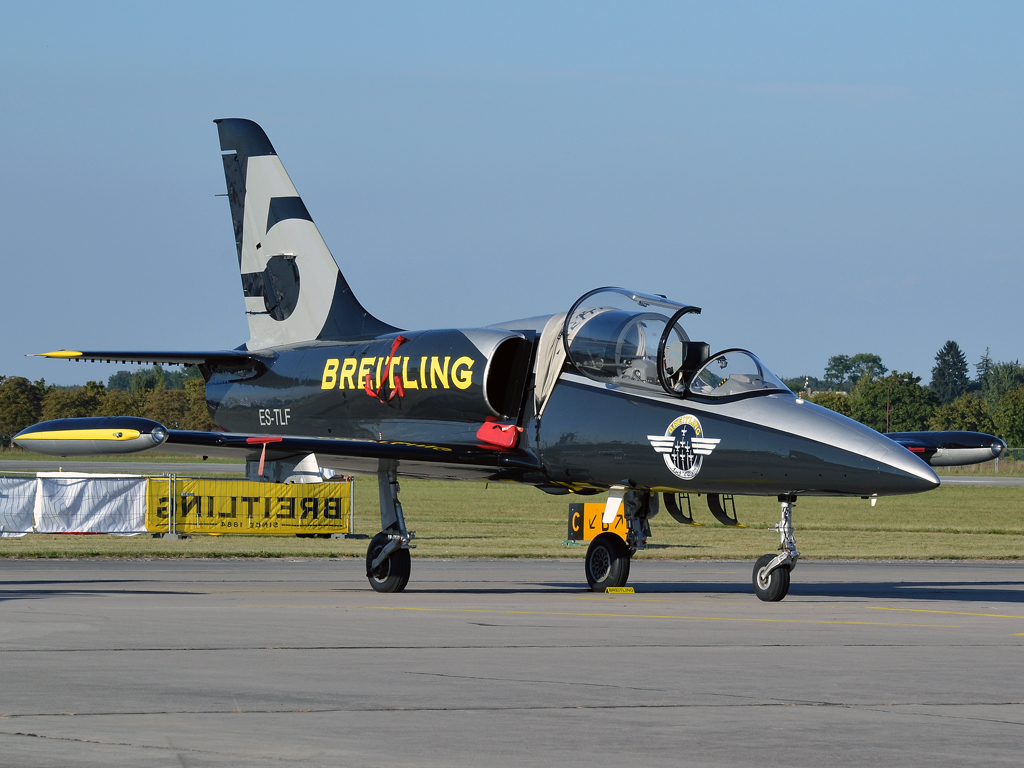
x,y
294,291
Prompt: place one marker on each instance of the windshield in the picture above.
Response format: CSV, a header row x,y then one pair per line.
x,y
734,372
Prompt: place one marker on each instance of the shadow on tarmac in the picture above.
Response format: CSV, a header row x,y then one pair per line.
x,y
1004,591
21,590
969,592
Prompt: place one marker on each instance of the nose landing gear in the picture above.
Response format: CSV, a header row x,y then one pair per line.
x,y
771,572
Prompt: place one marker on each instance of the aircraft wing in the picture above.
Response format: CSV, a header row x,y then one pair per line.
x,y
93,436
164,358
250,446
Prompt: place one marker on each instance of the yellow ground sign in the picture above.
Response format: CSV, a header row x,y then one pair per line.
x,y
586,522
238,506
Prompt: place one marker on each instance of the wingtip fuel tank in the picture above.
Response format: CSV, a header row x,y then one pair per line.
x,y
92,436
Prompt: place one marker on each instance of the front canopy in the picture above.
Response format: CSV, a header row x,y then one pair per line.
x,y
735,372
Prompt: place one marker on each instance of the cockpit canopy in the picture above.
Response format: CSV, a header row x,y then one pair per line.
x,y
734,372
634,339
625,337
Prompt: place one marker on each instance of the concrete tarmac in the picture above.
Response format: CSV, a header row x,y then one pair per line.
x,y
508,663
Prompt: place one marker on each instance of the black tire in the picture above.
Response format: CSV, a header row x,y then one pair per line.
x,y
776,586
392,575
607,562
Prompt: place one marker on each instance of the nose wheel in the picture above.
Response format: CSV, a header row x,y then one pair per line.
x,y
771,572
770,586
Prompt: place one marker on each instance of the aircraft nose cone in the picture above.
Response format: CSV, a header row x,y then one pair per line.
x,y
998,447
859,461
909,473
832,455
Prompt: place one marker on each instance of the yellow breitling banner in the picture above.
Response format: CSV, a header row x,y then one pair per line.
x,y
238,506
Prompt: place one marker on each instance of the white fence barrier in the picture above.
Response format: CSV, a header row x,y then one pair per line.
x,y
17,504
72,503
69,502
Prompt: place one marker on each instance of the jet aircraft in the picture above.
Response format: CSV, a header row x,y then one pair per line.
x,y
611,395
951,448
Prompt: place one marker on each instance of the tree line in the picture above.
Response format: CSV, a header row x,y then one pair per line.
x,y
176,399
861,387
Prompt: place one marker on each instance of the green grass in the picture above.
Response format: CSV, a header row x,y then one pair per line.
x,y
148,457
506,520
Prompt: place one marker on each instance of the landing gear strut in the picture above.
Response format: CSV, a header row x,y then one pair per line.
x,y
608,557
388,564
771,572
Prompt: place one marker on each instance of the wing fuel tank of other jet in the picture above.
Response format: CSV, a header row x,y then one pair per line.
x,y
951,448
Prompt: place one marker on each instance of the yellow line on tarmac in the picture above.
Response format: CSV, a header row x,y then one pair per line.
x,y
656,616
639,597
951,613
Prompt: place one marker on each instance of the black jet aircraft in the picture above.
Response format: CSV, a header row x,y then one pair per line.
x,y
951,448
610,396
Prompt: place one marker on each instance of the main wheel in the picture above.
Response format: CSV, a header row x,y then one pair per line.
x,y
775,585
392,574
607,562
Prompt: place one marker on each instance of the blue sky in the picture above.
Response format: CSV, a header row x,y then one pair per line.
x,y
820,178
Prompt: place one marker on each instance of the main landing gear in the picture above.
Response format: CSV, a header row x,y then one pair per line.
x,y
608,557
607,562
771,572
388,564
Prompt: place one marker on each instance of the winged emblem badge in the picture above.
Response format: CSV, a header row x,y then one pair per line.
x,y
684,446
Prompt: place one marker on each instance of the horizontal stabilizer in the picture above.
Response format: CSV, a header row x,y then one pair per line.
x,y
225,356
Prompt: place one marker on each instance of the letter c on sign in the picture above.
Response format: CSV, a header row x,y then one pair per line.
x,y
462,378
330,374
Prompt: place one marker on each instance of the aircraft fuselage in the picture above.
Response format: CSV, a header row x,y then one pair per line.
x,y
441,386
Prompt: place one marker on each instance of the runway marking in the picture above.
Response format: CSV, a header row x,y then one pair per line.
x,y
658,616
952,613
647,597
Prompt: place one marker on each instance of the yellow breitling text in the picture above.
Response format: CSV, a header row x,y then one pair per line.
x,y
430,373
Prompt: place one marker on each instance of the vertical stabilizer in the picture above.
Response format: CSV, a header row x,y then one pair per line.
x,y
294,291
